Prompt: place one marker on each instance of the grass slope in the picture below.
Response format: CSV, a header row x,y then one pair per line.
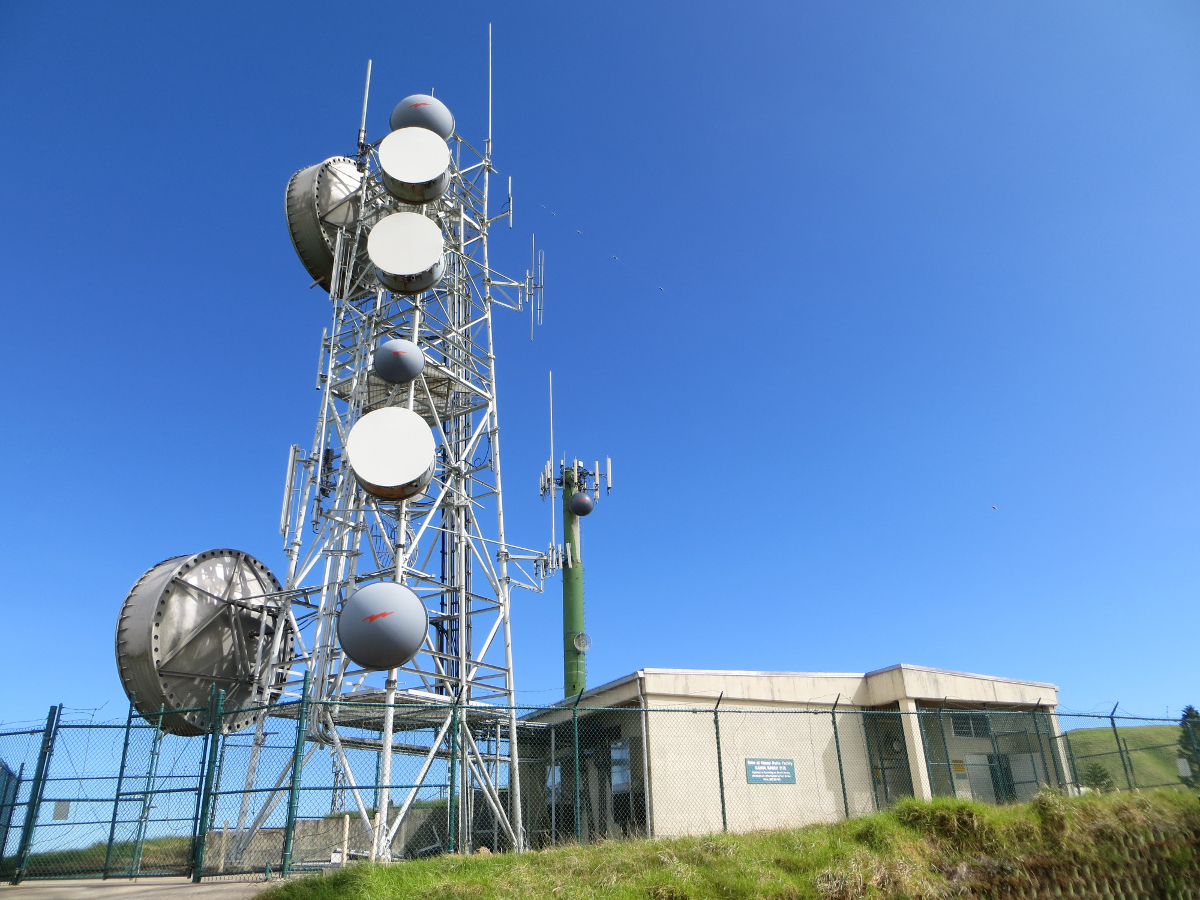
x,y
164,854
1152,750
917,850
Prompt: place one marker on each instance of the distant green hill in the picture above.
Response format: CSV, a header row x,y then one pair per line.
x,y
1152,751
160,856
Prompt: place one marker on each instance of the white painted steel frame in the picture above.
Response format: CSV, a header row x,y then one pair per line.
x,y
338,538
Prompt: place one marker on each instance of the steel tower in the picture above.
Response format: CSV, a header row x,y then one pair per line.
x,y
449,545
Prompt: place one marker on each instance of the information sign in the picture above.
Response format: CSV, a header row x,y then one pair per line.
x,y
770,771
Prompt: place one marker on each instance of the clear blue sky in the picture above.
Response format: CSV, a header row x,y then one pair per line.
x,y
921,383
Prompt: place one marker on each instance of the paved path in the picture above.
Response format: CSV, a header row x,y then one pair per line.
x,y
142,889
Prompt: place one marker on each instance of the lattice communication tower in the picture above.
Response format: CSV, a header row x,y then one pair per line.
x,y
402,248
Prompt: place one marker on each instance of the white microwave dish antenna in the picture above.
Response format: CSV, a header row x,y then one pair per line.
x,y
392,452
415,164
407,250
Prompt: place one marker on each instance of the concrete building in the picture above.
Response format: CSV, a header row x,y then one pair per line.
x,y
685,751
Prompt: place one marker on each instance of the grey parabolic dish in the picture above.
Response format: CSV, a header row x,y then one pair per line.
x,y
581,504
423,111
398,361
382,625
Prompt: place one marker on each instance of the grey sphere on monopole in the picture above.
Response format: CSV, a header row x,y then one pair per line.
x,y
423,111
382,625
398,361
580,503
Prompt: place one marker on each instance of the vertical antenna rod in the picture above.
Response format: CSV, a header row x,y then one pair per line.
x,y
362,128
489,140
553,523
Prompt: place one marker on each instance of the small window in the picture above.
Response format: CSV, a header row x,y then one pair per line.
x,y
622,781
971,725
553,785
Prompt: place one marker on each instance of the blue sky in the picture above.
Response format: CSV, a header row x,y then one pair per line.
x,y
920,384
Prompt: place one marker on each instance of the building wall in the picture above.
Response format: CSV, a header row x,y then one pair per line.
x,y
921,683
685,782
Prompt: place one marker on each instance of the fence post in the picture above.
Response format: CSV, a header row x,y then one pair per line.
x,y
720,765
1041,750
647,792
929,771
1112,720
35,792
206,792
946,750
289,831
8,805
1058,773
575,740
1074,767
112,828
837,743
996,769
450,810
191,869
135,864
1187,726
1132,771
555,773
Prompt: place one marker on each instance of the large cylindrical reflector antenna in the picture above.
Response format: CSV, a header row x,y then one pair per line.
x,y
192,622
319,199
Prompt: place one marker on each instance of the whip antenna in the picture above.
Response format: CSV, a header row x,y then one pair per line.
x,y
362,128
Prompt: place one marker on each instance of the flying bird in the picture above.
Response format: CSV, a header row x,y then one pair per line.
x,y
993,507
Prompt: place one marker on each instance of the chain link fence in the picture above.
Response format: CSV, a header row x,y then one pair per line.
x,y
308,788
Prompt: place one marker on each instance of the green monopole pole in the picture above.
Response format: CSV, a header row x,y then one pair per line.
x,y
574,664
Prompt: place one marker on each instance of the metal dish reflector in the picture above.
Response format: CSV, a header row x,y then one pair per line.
x,y
423,111
318,200
398,361
392,453
581,504
416,165
406,249
382,625
194,621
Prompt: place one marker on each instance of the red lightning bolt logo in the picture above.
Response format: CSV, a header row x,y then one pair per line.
x,y
415,105
378,616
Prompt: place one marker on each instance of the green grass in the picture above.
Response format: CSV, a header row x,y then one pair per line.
x,y
1152,749
917,850
158,854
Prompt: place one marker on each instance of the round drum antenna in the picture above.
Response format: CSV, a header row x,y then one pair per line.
x,y
194,621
